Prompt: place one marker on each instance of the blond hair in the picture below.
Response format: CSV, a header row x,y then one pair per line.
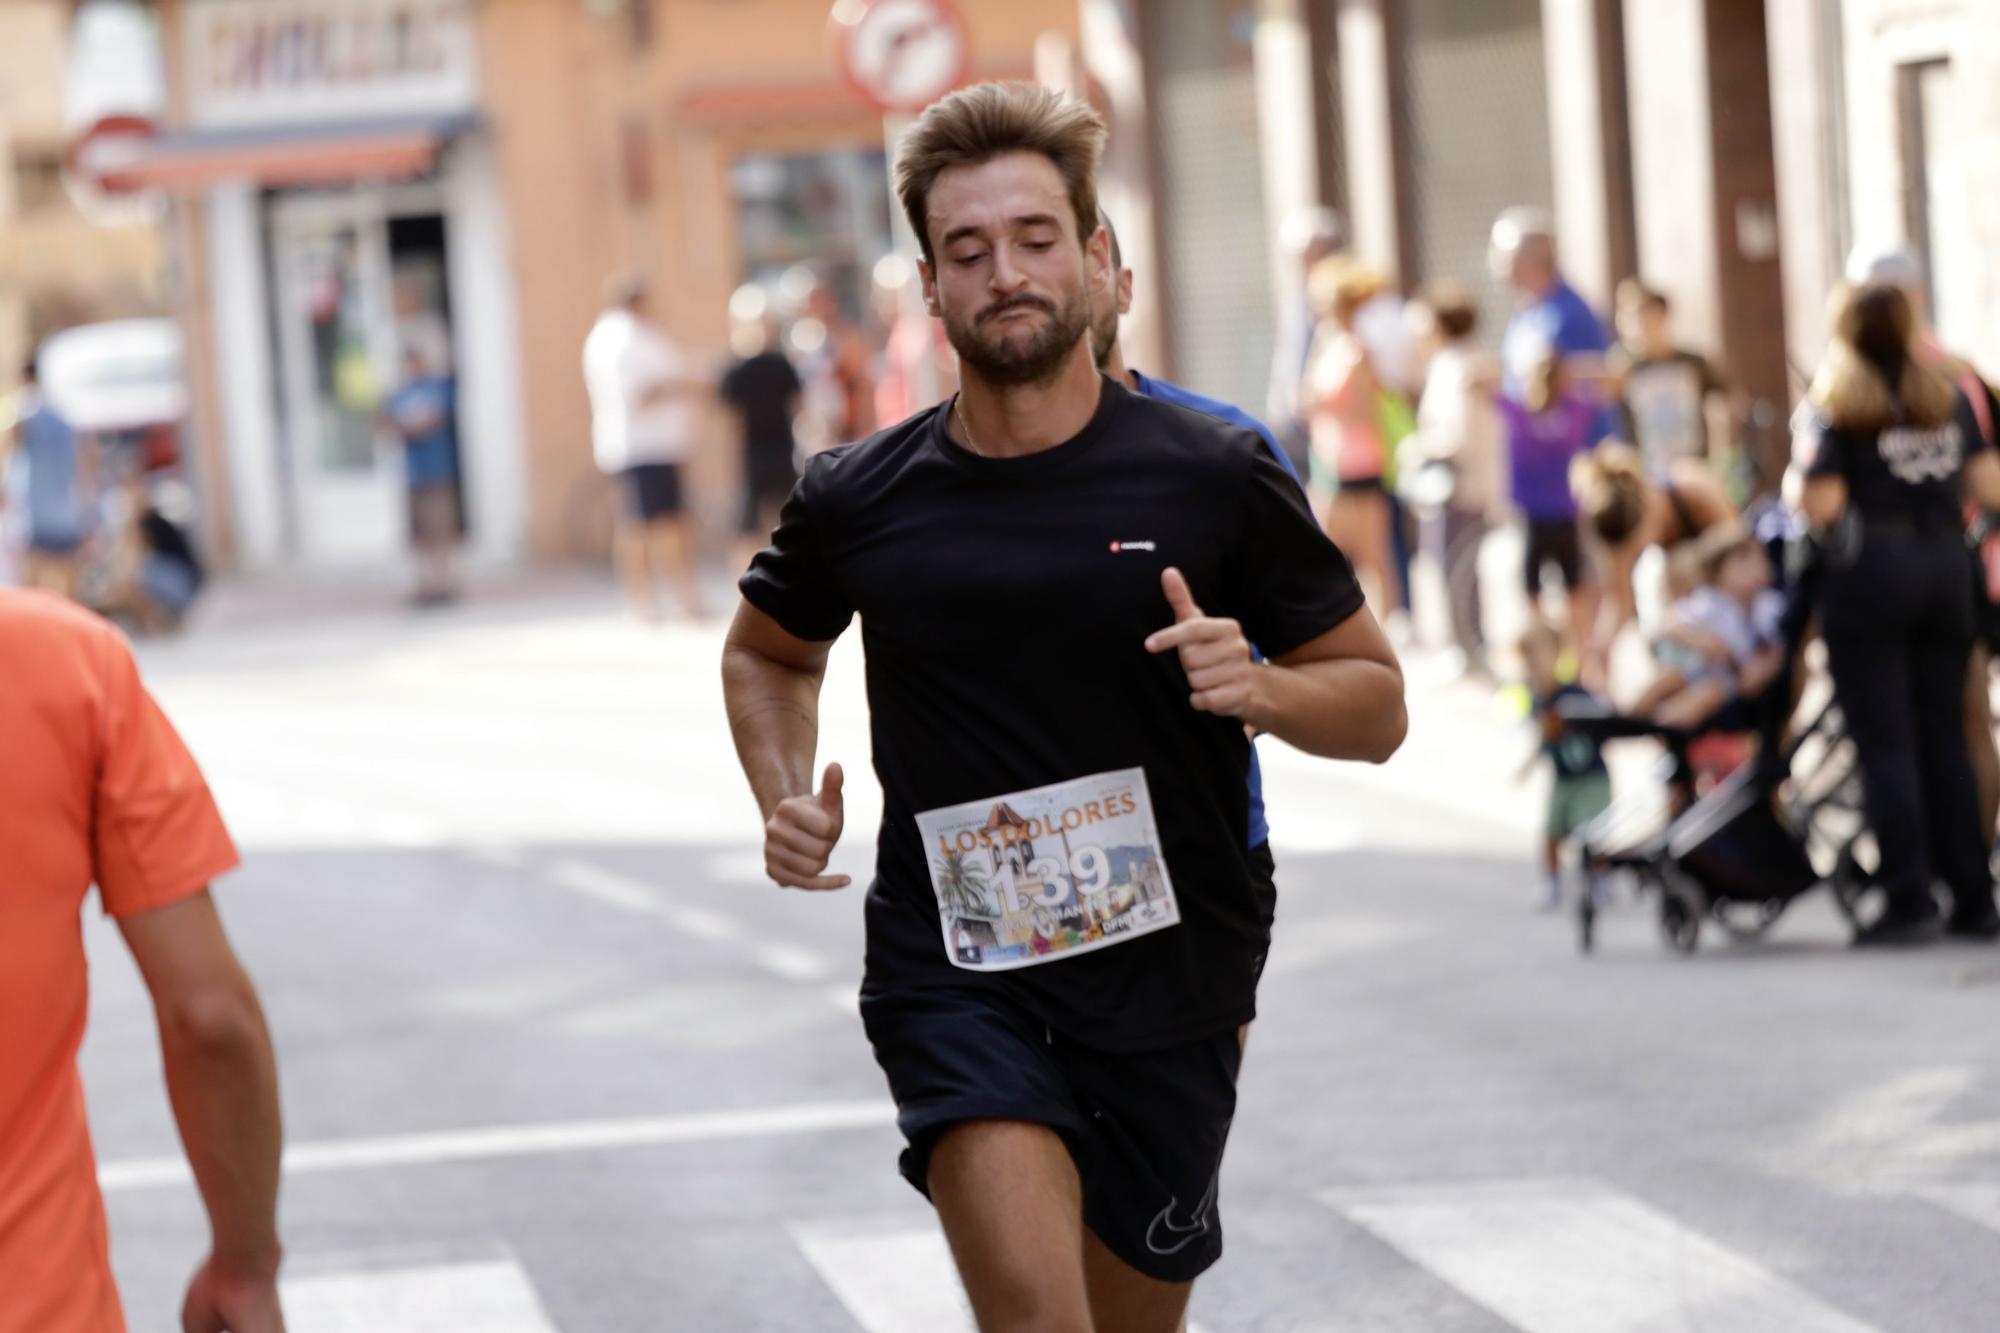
x,y
1874,341
977,124
1609,484
1340,285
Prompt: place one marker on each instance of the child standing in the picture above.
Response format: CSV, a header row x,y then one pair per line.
x,y
1581,788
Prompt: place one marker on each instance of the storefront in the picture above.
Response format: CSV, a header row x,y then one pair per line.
x,y
349,211
359,181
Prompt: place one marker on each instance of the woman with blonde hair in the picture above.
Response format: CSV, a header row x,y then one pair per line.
x,y
1883,451
1342,402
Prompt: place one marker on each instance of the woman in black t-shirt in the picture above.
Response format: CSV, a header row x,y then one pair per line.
x,y
1886,449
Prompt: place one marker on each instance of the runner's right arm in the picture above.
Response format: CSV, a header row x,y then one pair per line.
x,y
770,686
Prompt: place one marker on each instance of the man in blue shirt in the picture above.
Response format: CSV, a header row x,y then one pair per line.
x,y
1551,316
421,412
1106,310
58,516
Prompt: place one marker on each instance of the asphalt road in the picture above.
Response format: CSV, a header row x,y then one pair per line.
x,y
555,1058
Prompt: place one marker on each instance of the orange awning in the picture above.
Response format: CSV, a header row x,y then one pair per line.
x,y
322,154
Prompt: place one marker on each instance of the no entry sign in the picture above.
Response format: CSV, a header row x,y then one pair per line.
x,y
902,55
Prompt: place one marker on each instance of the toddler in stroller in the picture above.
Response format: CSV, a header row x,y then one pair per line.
x,y
1736,850
1723,644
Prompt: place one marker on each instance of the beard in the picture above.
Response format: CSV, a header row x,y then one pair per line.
x,y
1009,362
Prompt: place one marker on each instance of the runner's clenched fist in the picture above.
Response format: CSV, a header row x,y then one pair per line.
x,y
1214,653
800,834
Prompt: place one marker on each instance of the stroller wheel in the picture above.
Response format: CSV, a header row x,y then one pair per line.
x,y
1682,906
1851,887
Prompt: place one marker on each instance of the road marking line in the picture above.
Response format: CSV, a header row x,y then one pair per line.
x,y
602,886
498,855
791,962
893,1277
625,893
492,1297
1978,1204
893,1281
459,1145
1573,1257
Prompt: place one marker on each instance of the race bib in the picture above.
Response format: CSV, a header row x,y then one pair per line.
x,y
1040,875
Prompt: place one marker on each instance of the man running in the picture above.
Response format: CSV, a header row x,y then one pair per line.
x,y
1063,930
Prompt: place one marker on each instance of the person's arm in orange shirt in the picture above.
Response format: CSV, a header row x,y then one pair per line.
x,y
223,1080
159,841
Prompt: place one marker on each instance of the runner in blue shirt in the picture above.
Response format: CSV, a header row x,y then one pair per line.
x,y
1106,310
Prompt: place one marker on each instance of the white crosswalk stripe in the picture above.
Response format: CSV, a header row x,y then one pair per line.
x,y
892,1277
1974,1203
492,1296
893,1273
1577,1257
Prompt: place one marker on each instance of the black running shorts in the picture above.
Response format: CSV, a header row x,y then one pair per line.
x,y
1146,1131
653,491
1552,541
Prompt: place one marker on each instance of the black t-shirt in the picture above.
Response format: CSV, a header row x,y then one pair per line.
x,y
1665,406
1904,472
763,389
1004,606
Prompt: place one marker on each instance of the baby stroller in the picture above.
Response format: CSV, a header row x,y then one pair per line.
x,y
1739,854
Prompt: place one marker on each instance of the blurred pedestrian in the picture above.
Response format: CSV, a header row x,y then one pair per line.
x,y
1457,442
97,787
421,411
646,397
1549,427
1342,400
1884,454
917,366
838,367
762,391
58,488
1580,780
1549,314
1628,511
1901,268
1666,393
1308,237
154,577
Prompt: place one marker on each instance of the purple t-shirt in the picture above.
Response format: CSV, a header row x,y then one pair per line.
x,y
1541,446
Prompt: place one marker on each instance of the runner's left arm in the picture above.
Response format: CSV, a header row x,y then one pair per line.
x,y
1339,695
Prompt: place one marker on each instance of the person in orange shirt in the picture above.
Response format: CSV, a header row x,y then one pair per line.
x,y
95,786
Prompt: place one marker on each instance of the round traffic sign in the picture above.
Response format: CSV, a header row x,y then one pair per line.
x,y
902,55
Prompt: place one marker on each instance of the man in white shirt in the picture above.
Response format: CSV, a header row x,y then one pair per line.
x,y
645,407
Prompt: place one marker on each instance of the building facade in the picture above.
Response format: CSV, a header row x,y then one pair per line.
x,y
1729,152
58,266
360,181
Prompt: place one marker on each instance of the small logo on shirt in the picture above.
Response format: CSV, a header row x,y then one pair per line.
x,y
1117,547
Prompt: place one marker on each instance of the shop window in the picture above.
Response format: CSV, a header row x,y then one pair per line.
x,y
828,212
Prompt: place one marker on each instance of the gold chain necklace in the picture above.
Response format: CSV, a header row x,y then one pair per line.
x,y
964,426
